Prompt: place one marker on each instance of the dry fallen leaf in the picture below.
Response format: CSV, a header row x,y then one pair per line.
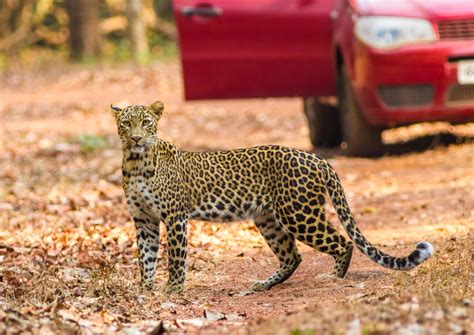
x,y
213,316
241,293
67,242
197,322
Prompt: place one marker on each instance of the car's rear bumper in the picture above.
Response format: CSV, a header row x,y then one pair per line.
x,y
413,84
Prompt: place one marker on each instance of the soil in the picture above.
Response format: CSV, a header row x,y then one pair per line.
x,y
67,252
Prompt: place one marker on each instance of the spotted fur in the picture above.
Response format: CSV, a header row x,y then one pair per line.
x,y
283,190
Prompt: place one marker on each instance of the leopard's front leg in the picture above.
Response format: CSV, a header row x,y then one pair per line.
x,y
177,252
148,242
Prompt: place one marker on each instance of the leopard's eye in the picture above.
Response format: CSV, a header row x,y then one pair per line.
x,y
146,122
126,124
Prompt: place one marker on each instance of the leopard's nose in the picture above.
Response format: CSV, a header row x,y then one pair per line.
x,y
136,138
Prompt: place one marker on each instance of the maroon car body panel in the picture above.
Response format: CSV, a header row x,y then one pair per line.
x,y
273,48
426,63
410,66
256,48
430,9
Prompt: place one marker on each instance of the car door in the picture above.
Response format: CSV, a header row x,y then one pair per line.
x,y
255,48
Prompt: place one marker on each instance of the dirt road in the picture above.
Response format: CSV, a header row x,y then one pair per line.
x,y
67,252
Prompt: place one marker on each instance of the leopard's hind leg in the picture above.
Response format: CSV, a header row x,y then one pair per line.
x,y
283,246
305,219
322,236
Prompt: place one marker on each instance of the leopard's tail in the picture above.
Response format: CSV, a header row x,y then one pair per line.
x,y
422,252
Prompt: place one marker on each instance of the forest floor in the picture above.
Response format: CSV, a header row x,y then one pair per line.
x,y
67,248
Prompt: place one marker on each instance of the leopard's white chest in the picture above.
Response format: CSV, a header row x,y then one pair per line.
x,y
140,196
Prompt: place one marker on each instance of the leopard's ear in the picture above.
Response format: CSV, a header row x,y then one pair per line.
x,y
115,110
157,109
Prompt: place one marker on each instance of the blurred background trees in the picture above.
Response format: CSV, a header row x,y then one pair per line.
x,y
136,31
84,32
88,29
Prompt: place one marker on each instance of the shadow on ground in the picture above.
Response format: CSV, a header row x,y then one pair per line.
x,y
427,142
419,144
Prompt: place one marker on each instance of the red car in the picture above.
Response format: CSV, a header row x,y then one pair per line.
x,y
389,62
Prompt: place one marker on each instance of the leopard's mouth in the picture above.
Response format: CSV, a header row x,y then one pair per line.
x,y
137,148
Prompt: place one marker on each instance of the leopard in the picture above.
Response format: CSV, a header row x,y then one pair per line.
x,y
283,190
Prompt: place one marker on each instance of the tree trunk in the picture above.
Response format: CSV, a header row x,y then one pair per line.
x,y
84,33
164,9
136,31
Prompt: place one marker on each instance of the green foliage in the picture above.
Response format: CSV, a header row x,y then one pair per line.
x,y
302,332
43,30
161,46
90,142
120,51
164,8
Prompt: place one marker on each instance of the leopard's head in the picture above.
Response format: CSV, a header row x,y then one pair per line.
x,y
137,125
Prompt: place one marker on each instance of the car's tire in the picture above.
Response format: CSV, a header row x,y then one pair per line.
x,y
323,123
361,138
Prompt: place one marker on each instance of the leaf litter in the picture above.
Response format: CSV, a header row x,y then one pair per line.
x,y
67,250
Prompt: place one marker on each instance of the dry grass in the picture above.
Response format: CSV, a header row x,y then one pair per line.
x,y
437,298
67,247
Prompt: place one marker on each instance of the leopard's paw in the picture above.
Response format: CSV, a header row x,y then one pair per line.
x,y
147,284
169,288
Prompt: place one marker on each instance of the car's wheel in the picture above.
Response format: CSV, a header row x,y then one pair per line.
x,y
323,123
361,138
